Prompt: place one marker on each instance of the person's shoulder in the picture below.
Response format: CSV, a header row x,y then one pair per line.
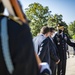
x,y
35,38
46,40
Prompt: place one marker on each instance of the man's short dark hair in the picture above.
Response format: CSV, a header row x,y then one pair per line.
x,y
44,30
1,7
51,29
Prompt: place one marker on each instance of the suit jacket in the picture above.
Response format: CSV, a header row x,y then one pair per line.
x,y
21,49
53,50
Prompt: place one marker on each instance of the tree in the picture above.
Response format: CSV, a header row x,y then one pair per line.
x,y
41,16
54,19
71,28
38,16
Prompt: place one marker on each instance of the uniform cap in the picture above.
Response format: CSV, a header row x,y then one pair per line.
x,y
60,26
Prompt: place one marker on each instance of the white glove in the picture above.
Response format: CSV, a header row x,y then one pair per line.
x,y
45,66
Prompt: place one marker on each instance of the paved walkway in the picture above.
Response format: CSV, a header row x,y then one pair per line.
x,y
70,70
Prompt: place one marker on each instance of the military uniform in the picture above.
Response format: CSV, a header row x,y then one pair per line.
x,y
60,41
21,49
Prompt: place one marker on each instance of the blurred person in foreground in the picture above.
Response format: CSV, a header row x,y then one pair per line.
x,y
16,48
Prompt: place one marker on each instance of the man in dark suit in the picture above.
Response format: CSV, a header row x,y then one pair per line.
x,y
60,40
19,43
52,45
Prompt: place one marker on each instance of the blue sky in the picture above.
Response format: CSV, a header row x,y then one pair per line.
x,y
64,7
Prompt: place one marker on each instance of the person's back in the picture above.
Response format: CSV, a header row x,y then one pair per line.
x,y
20,48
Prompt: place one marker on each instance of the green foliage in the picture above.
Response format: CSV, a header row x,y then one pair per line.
x,y
38,16
71,28
73,36
41,16
54,20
